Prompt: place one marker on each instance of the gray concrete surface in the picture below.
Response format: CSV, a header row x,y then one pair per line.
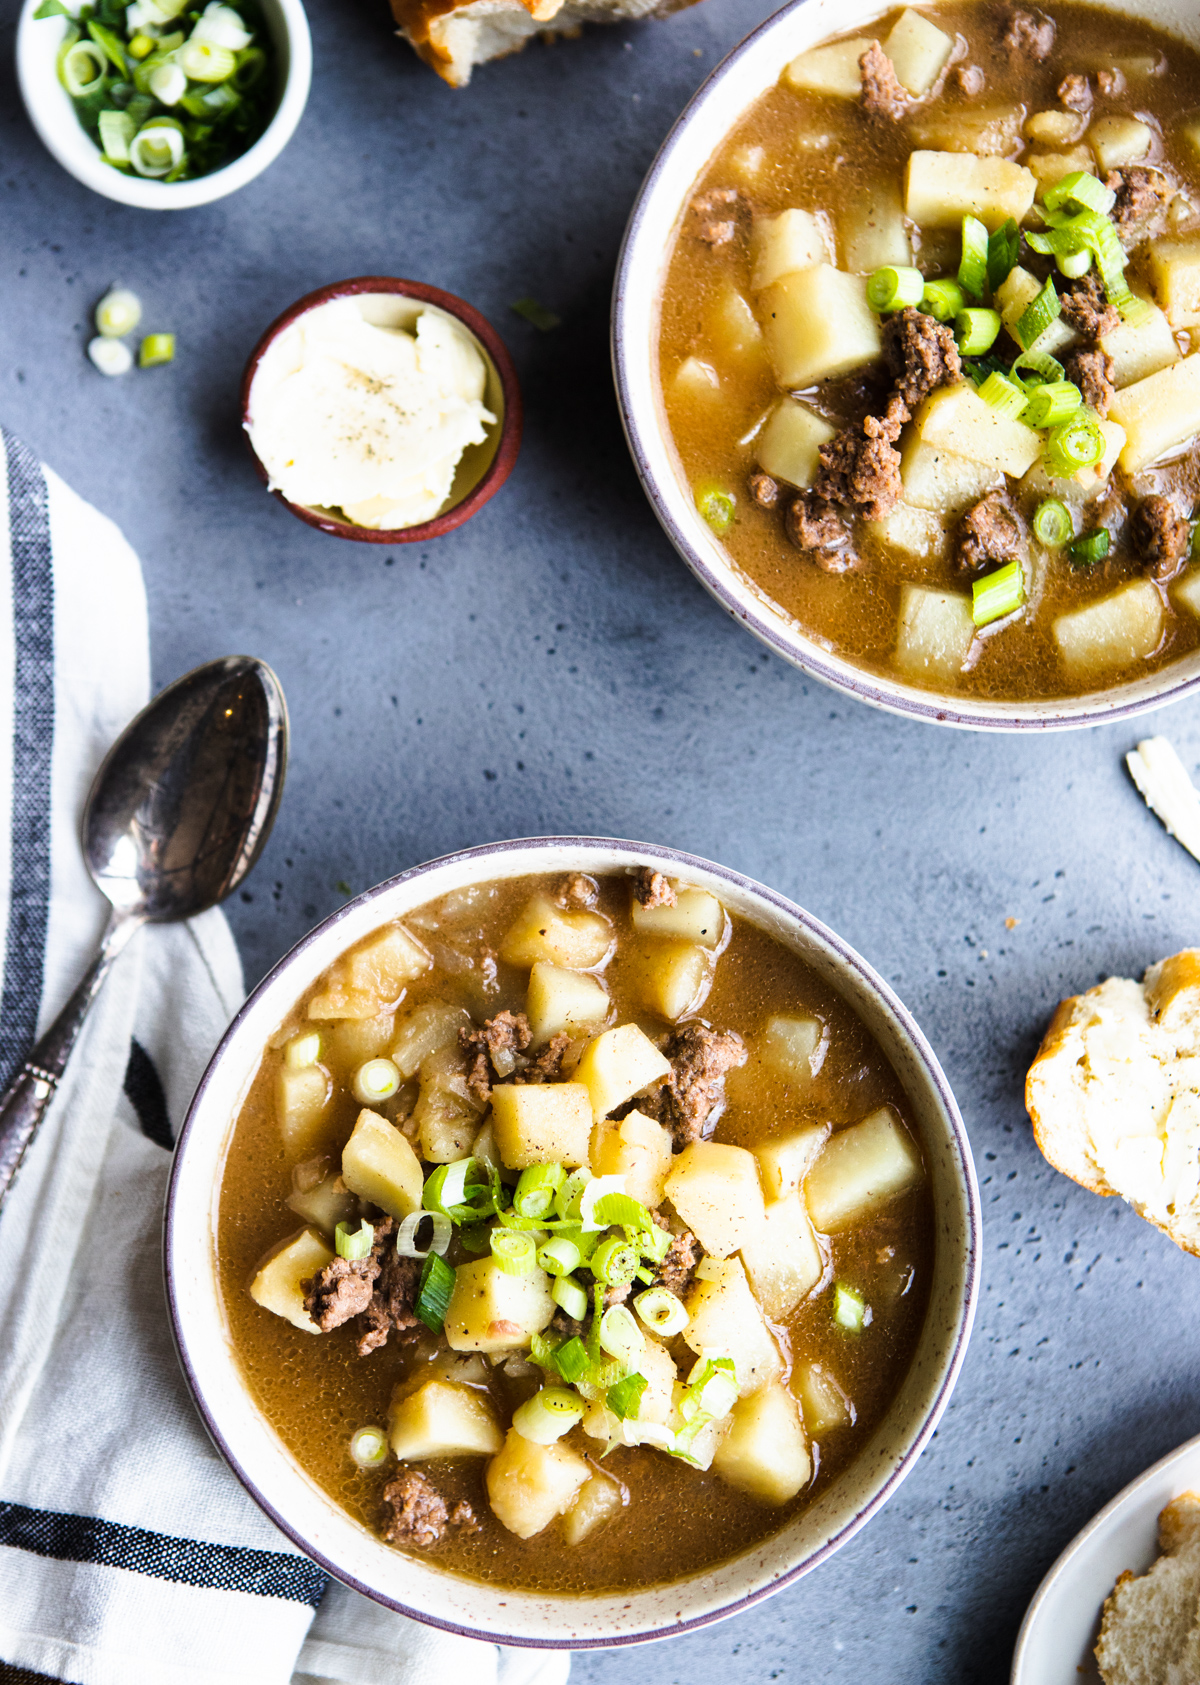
x,y
553,667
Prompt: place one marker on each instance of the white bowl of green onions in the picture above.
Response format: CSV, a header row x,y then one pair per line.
x,y
164,104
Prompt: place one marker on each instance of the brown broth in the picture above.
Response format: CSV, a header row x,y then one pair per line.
x,y
855,613
678,1520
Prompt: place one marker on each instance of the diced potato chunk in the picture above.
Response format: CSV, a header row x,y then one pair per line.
x,y
598,1500
560,1001
696,379
785,1160
794,1045
542,1123
957,418
1158,413
443,1420
829,70
276,1287
915,532
919,51
1175,271
1055,128
724,1316
861,1169
716,1190
618,1065
1142,350
696,916
326,1205
940,188
818,325
1185,592
1125,626
355,1040
671,978
765,1449
378,1164
936,628
872,230
577,940
941,480
822,1400
789,449
425,1031
784,1261
1014,295
637,1148
732,328
986,131
1120,140
748,163
1051,167
491,1311
301,1098
658,1367
529,1485
373,977
780,245
445,1116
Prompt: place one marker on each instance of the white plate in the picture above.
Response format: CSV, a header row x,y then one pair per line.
x,y
1054,1646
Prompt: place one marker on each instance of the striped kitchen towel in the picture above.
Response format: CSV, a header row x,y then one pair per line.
x,y
128,1552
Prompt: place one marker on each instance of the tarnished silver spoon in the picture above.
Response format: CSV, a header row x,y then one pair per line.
x,y
176,816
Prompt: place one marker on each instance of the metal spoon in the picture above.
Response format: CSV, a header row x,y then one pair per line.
x,y
177,815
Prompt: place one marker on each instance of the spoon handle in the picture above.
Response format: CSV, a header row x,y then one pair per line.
x,y
29,1094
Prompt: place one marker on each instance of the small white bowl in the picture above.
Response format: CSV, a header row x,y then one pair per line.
x,y
53,115
349,1550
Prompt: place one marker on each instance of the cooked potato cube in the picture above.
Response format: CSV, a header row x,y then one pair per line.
x,y
732,328
1055,128
378,1164
1050,167
1175,272
529,1485
919,51
1190,133
425,1031
716,1190
785,1160
637,1148
671,978
696,916
780,245
1014,295
326,1205
373,977
618,1065
560,1001
1142,350
352,1041
824,1404
301,1098
818,325
491,1311
658,1367
598,1500
915,532
942,481
986,131
749,164
1125,626
1120,140
794,1046
695,379
576,940
446,1115
443,1420
789,449
957,418
861,1169
936,628
724,1316
940,188
829,70
276,1287
784,1261
1158,413
765,1450
1185,592
542,1123
872,230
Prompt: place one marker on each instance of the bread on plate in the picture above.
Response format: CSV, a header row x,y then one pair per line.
x,y
1150,1630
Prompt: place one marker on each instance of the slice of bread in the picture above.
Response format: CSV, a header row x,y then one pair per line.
x,y
1114,1094
455,35
1150,1629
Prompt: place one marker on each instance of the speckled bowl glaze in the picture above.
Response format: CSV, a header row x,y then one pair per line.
x,y
483,468
344,1547
733,87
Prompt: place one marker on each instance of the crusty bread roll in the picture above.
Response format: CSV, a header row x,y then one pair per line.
x,y
1150,1631
1114,1093
455,35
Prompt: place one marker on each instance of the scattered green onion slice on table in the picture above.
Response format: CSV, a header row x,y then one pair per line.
x,y
1089,547
545,321
548,1415
1003,395
1052,523
83,69
997,594
1052,403
976,330
433,1292
569,1296
717,506
536,1188
351,1243
942,300
972,270
514,1252
1038,315
1075,443
662,1312
624,1398
110,356
441,1230
895,288
369,1447
559,1256
1003,253
378,1079
849,1308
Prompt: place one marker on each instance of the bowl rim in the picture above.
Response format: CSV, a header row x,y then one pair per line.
x,y
964,1171
507,449
641,263
83,161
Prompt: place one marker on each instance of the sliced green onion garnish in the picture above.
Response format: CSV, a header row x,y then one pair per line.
x,y
1056,243
474,1236
1004,250
157,148
111,45
223,27
536,1188
110,356
615,1261
440,1231
1080,191
447,1190
433,1292
625,1398
1097,233
1052,403
167,83
82,70
849,1307
354,1244
52,9
1089,547
548,1415
976,331
1073,264
621,1337
942,300
1052,523
1003,394
661,1311
587,1243
569,1296
1038,315
141,46
378,1079
597,1188
972,271
117,129
654,1243
559,1256
978,369
712,1388
1039,363
716,506
607,1208
1134,311
369,1447
1074,444
894,289
994,596
213,103
571,1359
566,1200
202,61
250,65
545,321
515,1253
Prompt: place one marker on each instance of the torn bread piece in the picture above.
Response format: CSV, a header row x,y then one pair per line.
x,y
1150,1630
1114,1093
453,36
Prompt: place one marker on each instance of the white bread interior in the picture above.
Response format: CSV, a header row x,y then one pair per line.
x,y
455,38
1150,1631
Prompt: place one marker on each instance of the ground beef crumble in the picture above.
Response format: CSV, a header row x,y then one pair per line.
x,y
922,355
493,1051
765,491
391,1308
578,890
1142,197
990,532
1085,307
415,1512
860,467
1030,33
970,79
380,1287
820,530
1159,536
882,94
1075,92
1092,372
693,1096
677,1268
1110,82
652,889
547,1067
718,212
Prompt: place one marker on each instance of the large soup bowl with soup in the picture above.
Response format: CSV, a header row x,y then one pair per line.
x,y
248,1347
747,330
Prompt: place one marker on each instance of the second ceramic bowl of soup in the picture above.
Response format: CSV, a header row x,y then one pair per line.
x,y
295,1494
728,107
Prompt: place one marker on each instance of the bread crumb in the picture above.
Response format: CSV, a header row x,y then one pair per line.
x,y
1011,924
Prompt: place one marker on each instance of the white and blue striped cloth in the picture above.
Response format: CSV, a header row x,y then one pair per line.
x,y
129,1555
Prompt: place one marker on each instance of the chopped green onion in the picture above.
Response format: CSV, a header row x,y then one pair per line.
x,y
223,27
621,1337
1089,547
1002,394
1040,363
661,1311
1097,233
1052,523
597,1188
717,506
894,289
566,1200
571,1359
559,1256
141,46
1073,264
569,1296
849,1308
1135,312
250,65
1003,253
515,1253
378,1079
942,300
474,1236
213,103
434,1292
548,1415
654,1243
52,9
83,69
545,321
1074,444
157,148
1080,191
110,356
111,45
441,1231
615,1261
369,1447
202,61
354,1245
976,330
972,271
1052,403
167,83
117,129
979,368
609,1208
712,1388
625,1398
587,1243
536,1188
117,314
1038,315
997,594
446,1190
